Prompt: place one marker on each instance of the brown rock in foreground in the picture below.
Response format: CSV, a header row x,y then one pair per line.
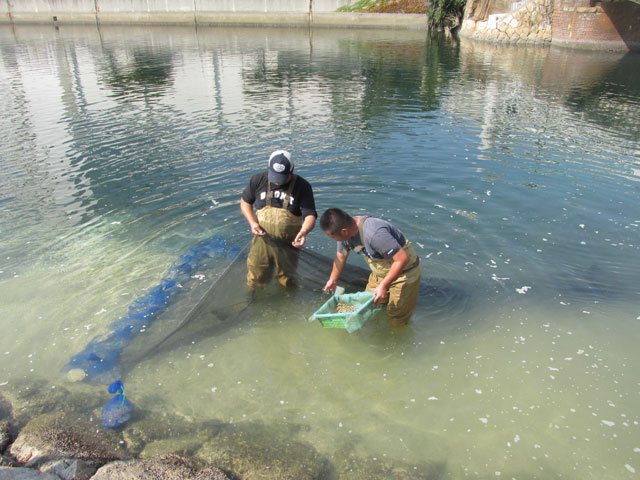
x,y
53,436
166,467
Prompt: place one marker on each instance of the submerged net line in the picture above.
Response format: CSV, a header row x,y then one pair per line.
x,y
234,297
197,307
100,358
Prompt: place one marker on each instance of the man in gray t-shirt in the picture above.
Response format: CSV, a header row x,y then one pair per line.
x,y
381,238
395,267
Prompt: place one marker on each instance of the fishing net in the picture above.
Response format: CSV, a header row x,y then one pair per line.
x,y
101,358
172,314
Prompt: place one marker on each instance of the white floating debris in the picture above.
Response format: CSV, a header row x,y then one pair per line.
x,y
608,423
478,391
516,439
484,420
630,468
213,390
76,375
101,311
523,289
433,398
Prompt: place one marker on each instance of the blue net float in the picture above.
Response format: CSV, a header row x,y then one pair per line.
x,y
99,359
117,410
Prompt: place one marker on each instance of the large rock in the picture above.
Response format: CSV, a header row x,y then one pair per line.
x,y
359,468
69,469
7,461
252,451
29,399
8,473
185,446
52,437
5,436
6,410
168,467
154,433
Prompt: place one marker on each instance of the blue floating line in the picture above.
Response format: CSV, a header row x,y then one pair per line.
x,y
99,359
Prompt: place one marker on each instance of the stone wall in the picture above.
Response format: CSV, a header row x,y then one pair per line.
x,y
527,22
592,24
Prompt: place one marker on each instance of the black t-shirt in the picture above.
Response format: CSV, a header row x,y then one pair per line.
x,y
301,202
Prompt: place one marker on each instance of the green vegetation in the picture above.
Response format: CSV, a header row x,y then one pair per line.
x,y
445,13
386,6
440,13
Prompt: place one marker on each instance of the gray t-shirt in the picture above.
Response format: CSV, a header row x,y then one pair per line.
x,y
381,240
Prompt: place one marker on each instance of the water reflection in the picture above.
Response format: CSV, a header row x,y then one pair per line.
x,y
514,169
145,74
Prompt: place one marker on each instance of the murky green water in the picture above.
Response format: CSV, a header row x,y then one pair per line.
x,y
516,172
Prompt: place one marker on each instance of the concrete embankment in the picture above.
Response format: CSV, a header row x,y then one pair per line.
x,y
201,12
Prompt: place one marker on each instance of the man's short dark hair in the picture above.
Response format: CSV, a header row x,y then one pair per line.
x,y
333,220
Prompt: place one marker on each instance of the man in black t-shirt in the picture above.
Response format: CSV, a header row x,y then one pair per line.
x,y
285,210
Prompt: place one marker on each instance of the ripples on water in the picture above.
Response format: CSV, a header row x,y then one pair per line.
x,y
513,171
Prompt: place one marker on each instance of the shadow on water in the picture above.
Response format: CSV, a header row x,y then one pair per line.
x,y
592,283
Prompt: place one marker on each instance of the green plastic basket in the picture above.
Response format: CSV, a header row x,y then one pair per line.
x,y
329,317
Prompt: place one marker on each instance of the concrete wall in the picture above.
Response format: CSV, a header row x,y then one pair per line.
x,y
165,11
201,12
597,25
265,6
72,11
4,12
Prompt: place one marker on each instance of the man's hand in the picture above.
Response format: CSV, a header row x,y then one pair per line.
x,y
379,293
256,229
330,286
300,240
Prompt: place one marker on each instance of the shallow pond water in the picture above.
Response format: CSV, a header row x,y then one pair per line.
x,y
514,171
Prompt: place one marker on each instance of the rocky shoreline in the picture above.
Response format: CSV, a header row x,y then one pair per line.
x,y
46,433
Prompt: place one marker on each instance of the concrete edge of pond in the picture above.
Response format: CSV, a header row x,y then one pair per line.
x,y
204,18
